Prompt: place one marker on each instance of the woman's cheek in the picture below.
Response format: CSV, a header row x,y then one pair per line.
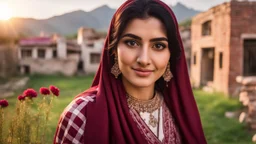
x,y
126,55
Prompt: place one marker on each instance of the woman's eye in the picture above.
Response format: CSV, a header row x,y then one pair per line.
x,y
131,43
159,46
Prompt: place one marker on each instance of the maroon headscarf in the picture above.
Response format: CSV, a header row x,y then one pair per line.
x,y
108,118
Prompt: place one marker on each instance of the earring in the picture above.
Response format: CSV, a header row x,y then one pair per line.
x,y
115,68
167,74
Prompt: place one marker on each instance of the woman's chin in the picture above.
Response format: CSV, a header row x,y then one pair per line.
x,y
142,84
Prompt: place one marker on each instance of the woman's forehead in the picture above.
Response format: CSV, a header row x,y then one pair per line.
x,y
146,27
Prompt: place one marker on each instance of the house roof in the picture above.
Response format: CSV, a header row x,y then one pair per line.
x,y
37,41
48,41
73,46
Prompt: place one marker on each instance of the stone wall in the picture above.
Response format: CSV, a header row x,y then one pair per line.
x,y
8,60
66,67
248,97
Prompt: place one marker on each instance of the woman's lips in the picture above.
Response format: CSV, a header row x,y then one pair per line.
x,y
142,72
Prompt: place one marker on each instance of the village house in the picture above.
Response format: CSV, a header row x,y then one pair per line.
x,y
55,54
224,45
48,55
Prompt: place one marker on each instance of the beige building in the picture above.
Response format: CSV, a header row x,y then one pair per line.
x,y
48,55
224,45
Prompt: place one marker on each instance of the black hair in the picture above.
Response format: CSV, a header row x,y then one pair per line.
x,y
144,9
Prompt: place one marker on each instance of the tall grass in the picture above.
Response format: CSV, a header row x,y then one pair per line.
x,y
69,88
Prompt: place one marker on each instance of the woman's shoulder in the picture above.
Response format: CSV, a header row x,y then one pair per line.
x,y
81,101
79,104
73,120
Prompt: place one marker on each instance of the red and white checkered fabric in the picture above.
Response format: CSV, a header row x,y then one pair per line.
x,y
72,122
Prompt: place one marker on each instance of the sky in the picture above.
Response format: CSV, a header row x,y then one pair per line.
x,y
41,9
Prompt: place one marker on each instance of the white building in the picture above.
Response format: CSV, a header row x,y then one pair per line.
x,y
51,55
91,48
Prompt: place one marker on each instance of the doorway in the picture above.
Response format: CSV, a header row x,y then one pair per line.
x,y
26,69
207,66
249,68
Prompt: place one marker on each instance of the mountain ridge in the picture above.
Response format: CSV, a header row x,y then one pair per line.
x,y
68,23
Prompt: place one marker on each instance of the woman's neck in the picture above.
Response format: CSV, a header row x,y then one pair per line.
x,y
142,93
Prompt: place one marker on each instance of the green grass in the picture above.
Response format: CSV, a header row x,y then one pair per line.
x,y
212,107
217,128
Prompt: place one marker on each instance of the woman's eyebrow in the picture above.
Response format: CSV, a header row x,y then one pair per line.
x,y
132,36
159,39
139,38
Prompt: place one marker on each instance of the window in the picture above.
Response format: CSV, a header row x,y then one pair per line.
x,y
194,59
41,53
206,28
54,53
94,58
90,45
220,60
26,53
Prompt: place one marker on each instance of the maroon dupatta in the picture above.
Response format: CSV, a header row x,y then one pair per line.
x,y
108,118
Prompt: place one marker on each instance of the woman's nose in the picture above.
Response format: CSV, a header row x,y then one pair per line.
x,y
143,57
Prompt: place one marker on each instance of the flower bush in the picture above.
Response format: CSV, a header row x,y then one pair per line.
x,y
30,93
27,124
54,90
4,103
44,91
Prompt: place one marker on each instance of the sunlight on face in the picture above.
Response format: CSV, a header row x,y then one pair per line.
x,y
5,12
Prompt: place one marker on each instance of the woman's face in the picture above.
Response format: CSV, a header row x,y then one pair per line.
x,y
143,52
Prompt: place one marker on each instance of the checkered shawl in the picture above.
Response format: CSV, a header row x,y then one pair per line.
x,y
72,122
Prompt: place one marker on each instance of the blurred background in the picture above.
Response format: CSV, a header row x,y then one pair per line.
x,y
59,42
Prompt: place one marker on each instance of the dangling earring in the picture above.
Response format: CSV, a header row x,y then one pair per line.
x,y
167,74
115,68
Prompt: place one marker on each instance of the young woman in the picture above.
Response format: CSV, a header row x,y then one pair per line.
x,y
141,92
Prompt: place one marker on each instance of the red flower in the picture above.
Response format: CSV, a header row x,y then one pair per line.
x,y
44,91
30,93
21,97
4,103
54,90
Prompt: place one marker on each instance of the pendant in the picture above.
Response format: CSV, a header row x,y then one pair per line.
x,y
152,120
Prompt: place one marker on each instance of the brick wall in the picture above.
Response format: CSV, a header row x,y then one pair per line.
x,y
243,26
231,23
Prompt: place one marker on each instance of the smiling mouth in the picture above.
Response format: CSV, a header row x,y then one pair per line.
x,y
142,72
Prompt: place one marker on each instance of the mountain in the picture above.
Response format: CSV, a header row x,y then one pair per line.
x,y
182,12
69,23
